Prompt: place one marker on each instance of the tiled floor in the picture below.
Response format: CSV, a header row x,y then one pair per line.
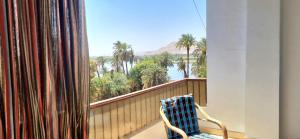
x,y
156,131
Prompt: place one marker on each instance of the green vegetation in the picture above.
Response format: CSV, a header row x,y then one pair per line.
x,y
182,66
93,69
107,86
147,73
100,64
165,60
144,72
186,41
130,73
199,67
123,54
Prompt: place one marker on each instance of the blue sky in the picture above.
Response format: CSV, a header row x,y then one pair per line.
x,y
145,24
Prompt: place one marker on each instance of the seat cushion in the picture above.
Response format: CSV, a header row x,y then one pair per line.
x,y
181,113
202,136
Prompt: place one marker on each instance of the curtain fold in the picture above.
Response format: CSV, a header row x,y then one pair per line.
x,y
44,71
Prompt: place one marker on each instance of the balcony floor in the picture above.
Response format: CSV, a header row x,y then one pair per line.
x,y
155,131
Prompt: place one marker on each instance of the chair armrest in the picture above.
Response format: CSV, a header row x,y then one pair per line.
x,y
212,120
168,124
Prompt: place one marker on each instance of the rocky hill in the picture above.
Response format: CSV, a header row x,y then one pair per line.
x,y
170,48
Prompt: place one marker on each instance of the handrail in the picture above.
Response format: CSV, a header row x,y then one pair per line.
x,y
140,92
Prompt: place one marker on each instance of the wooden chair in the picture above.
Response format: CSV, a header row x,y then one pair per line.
x,y
181,121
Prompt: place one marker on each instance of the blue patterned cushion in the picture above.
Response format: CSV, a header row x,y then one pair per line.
x,y
181,113
202,136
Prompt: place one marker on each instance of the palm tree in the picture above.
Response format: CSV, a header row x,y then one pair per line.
x,y
201,58
200,51
115,63
131,57
125,54
117,55
93,68
165,60
101,60
121,54
153,75
182,66
186,41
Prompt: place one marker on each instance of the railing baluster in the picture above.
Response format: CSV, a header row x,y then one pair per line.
x,y
178,90
144,111
106,122
183,88
114,120
196,92
157,104
133,119
127,115
190,87
121,118
203,96
168,91
139,112
161,94
99,125
172,89
148,104
153,108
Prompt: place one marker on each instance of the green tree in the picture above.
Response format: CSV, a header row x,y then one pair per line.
x,y
109,85
117,55
181,66
95,94
153,75
93,68
147,73
131,57
199,66
101,60
115,63
186,41
122,55
135,74
126,55
166,60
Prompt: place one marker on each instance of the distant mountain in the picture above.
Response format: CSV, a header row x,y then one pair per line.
x,y
170,48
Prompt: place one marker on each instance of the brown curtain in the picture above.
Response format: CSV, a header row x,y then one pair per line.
x,y
44,72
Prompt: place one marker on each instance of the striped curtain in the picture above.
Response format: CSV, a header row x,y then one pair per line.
x,y
44,72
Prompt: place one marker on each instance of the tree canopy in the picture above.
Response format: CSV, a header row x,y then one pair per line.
x,y
187,41
144,71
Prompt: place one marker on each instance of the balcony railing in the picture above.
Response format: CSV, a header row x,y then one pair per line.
x,y
119,116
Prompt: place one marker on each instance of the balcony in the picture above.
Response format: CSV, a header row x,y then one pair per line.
x,y
136,115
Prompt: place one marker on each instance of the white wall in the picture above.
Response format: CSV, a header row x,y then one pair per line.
x,y
243,39
290,70
262,69
253,51
226,32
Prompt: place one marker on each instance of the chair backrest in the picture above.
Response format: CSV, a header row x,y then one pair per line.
x,y
181,113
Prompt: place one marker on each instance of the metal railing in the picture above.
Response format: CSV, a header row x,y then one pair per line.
x,y
119,116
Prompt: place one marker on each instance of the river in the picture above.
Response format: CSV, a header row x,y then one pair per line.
x,y
173,72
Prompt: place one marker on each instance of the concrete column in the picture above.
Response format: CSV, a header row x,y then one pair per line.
x,y
290,70
226,34
262,69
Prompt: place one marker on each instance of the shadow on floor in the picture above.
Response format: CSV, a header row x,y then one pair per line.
x,y
156,131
